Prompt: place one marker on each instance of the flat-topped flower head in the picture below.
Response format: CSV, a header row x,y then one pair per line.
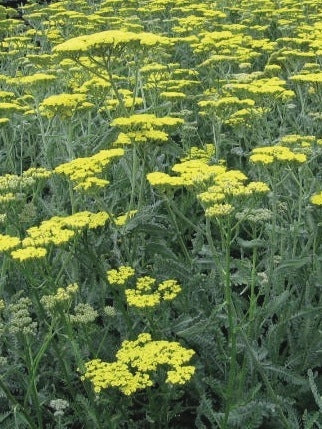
x,y
135,363
8,242
123,219
108,40
64,105
269,154
84,172
61,229
308,78
29,253
143,128
121,275
145,121
33,80
316,199
228,192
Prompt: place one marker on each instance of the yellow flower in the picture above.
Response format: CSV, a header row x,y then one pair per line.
x,y
91,183
64,105
269,154
33,80
60,230
316,199
9,108
261,158
120,276
8,242
101,42
145,121
135,362
160,179
142,300
122,220
172,95
169,289
308,78
29,253
218,210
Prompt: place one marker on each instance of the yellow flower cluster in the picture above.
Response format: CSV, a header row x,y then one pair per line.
x,y
136,360
10,108
299,141
228,186
6,95
168,81
273,88
36,173
83,171
143,296
8,242
59,229
62,296
218,210
164,180
128,100
96,87
316,199
64,105
145,121
203,154
245,117
4,121
56,231
172,95
146,292
33,80
120,276
224,103
106,41
193,172
122,219
28,253
308,78
269,154
142,128
7,198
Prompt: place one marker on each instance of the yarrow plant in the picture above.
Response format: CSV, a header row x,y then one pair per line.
x,y
160,214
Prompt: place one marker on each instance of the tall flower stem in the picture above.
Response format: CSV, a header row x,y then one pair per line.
x,y
179,235
226,234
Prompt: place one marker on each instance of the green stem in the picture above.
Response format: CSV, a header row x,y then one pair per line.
x,y
179,235
216,258
251,314
36,362
253,297
133,176
32,389
230,397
